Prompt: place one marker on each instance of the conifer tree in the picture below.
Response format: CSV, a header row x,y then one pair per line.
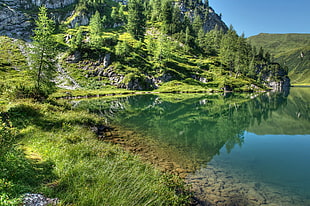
x,y
213,42
76,39
136,19
43,53
228,48
79,38
115,15
197,24
95,31
177,24
122,49
166,16
121,14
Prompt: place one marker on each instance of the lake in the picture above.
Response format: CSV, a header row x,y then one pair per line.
x,y
237,149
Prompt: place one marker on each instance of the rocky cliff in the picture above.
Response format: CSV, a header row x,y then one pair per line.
x,y
17,16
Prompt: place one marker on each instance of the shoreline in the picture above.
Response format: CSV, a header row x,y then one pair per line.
x,y
209,184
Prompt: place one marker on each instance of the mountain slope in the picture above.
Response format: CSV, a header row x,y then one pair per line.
x,y
291,50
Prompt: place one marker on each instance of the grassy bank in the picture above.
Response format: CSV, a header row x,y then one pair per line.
x,y
49,149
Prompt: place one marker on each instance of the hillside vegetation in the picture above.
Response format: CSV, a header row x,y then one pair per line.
x,y
96,47
291,50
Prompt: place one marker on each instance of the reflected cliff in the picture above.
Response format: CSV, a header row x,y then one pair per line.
x,y
291,118
200,125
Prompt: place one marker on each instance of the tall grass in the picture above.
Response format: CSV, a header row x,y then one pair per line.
x,y
79,169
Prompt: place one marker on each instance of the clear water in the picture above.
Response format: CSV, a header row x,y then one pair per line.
x,y
251,150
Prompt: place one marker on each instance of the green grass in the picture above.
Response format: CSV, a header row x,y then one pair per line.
x,y
56,148
286,48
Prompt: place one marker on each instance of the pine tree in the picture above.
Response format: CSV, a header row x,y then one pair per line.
x,y
115,15
213,42
121,14
76,39
197,24
155,10
136,19
79,38
122,49
229,49
43,54
95,31
177,24
166,16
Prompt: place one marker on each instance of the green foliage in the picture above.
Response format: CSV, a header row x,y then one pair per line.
x,y
136,19
122,48
43,53
166,16
95,27
78,169
287,49
15,168
7,135
76,40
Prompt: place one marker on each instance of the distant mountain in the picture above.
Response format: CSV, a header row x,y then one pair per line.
x,y
291,50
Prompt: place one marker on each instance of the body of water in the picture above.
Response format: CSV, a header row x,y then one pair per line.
x,y
250,149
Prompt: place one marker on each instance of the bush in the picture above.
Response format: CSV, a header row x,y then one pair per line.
x,y
7,134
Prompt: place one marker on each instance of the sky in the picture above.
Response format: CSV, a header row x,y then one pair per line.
x,y
252,17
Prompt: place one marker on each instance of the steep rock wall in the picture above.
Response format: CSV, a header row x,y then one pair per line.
x,y
16,21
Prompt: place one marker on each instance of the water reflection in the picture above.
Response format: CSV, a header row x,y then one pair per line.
x,y
242,142
200,125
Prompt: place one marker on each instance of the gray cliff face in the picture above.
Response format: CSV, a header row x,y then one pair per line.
x,y
276,78
210,19
52,4
14,23
17,23
214,20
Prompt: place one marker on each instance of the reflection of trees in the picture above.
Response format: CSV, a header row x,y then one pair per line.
x,y
286,115
200,126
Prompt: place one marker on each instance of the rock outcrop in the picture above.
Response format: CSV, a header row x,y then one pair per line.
x,y
52,4
14,23
275,77
17,20
209,18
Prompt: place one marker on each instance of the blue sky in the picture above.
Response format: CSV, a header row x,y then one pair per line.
x,y
252,17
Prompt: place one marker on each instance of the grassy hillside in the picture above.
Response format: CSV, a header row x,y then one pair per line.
x,y
55,146
287,49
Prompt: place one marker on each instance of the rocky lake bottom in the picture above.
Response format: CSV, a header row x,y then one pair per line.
x,y
222,187
214,184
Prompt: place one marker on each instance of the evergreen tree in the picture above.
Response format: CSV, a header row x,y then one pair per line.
x,y
176,24
155,10
201,40
79,38
136,19
43,53
122,48
115,15
76,39
188,38
105,22
166,16
229,49
95,31
212,42
197,24
121,14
